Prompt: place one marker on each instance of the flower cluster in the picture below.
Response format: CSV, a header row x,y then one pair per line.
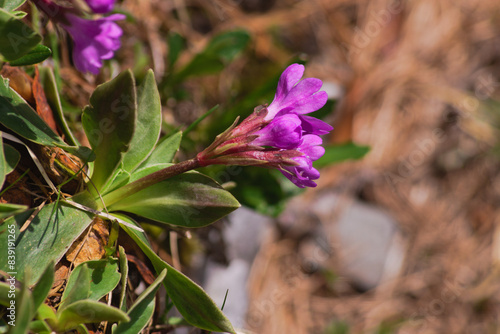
x,y
94,40
279,136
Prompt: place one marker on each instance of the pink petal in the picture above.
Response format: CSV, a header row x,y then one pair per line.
x,y
303,89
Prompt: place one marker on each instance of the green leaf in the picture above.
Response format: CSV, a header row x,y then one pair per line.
x,y
53,98
201,65
78,287
39,326
7,210
141,312
165,150
144,171
120,178
6,293
88,311
81,329
104,277
24,311
11,4
148,124
36,55
189,200
175,46
12,157
16,38
109,123
19,14
338,153
47,238
228,44
45,312
18,116
124,276
3,164
189,298
221,50
43,286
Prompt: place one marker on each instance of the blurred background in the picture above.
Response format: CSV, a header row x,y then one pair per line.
x,y
401,235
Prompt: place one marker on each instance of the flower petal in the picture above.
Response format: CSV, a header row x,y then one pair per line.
x,y
101,6
95,40
311,147
315,126
283,132
290,76
310,103
303,89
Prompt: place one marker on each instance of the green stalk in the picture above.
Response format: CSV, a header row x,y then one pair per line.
x,y
149,180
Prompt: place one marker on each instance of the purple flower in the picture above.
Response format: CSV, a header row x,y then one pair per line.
x,y
280,136
95,40
283,132
303,174
296,97
101,6
293,95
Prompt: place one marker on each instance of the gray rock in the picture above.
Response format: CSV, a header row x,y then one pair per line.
x,y
368,239
243,235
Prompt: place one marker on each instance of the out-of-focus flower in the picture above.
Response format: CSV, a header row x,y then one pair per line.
x,y
94,40
279,136
100,6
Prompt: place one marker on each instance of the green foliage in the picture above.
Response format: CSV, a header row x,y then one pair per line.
x,y
103,275
189,298
87,311
42,288
12,158
123,126
338,153
175,46
221,50
46,239
165,151
16,38
3,164
141,312
109,122
7,209
50,87
36,55
148,124
25,310
124,276
75,310
11,5
19,117
189,200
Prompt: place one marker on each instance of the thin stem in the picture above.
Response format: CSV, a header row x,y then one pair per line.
x,y
149,180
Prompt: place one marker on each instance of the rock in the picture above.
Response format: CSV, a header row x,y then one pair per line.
x,y
243,235
367,238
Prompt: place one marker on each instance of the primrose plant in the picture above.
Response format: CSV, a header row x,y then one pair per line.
x,y
126,177
131,178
